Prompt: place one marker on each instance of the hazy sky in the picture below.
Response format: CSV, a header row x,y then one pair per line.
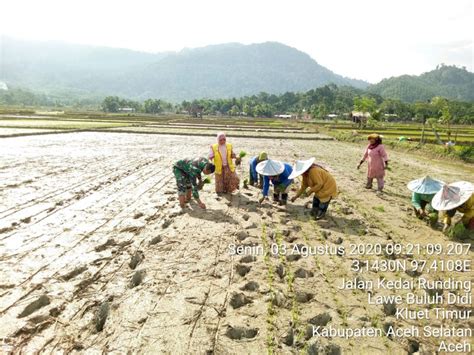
x,y
364,39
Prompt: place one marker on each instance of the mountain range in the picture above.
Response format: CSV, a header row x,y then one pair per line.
x,y
217,71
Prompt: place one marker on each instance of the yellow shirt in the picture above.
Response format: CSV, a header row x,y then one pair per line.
x,y
467,208
320,182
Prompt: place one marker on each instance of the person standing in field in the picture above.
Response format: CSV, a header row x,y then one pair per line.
x,y
188,178
222,154
377,161
254,177
319,181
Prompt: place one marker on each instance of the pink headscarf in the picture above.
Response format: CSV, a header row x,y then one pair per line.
x,y
220,135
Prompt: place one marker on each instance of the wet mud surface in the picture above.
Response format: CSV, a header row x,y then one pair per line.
x,y
96,255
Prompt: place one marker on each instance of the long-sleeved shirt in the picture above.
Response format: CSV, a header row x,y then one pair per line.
x,y
281,179
253,168
416,199
192,168
467,208
376,159
320,182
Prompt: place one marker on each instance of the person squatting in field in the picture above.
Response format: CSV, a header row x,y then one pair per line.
x,y
222,154
456,197
188,178
254,177
423,190
277,173
377,161
319,181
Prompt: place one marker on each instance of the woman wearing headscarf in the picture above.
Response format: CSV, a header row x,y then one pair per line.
x,y
221,152
456,197
423,191
319,181
277,173
377,161
188,178
254,177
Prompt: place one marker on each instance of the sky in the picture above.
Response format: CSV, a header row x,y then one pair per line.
x,y
363,39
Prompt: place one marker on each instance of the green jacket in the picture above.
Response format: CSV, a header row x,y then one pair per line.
x,y
416,199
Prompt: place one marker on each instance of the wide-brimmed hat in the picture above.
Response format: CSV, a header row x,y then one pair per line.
x,y
425,185
300,167
270,167
452,195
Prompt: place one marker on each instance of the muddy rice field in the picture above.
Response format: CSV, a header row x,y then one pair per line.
x,y
96,255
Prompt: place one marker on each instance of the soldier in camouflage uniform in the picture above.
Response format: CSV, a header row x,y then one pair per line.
x,y
188,178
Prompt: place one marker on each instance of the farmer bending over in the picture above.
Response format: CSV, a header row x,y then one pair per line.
x,y
188,178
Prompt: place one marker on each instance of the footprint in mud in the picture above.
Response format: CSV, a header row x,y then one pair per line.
x,y
293,257
330,349
250,286
245,217
70,275
248,259
138,215
303,297
280,270
109,243
289,338
303,274
242,270
338,240
389,308
136,259
100,316
239,300
321,319
6,229
413,346
155,240
241,235
238,333
137,278
34,306
166,223
278,299
25,220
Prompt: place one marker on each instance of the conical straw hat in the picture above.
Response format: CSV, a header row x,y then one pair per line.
x,y
452,195
425,185
300,167
270,167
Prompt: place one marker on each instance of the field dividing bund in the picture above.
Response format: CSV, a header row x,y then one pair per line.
x,y
96,255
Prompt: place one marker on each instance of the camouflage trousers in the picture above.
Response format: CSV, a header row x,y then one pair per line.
x,y
183,181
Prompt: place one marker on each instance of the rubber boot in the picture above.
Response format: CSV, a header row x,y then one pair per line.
x,y
284,199
276,198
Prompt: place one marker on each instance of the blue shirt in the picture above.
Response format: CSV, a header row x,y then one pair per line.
x,y
281,179
253,168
